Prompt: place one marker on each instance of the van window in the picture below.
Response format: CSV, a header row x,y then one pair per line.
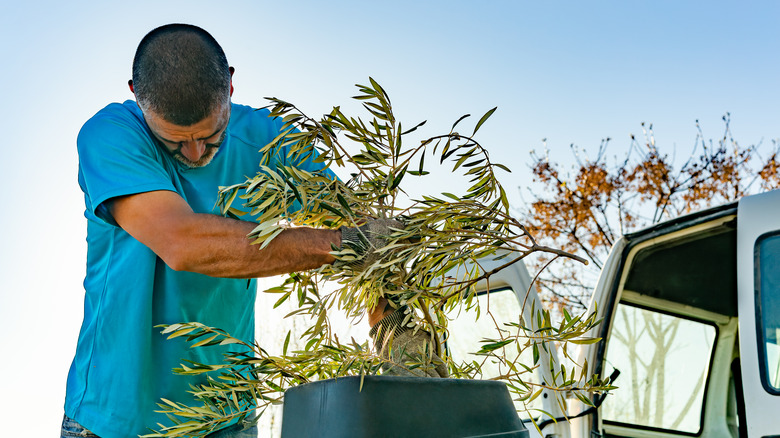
x,y
466,331
768,309
664,362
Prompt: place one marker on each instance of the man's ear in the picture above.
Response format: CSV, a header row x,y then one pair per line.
x,y
130,84
232,70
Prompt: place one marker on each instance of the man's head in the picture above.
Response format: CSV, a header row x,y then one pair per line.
x,y
182,83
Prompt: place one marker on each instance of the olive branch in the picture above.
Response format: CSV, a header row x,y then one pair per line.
x,y
432,264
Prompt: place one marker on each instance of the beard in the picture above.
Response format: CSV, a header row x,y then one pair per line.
x,y
205,159
208,155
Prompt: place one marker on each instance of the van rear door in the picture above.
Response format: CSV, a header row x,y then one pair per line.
x,y
758,276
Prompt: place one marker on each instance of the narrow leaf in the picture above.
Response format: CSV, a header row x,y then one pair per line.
x,y
483,119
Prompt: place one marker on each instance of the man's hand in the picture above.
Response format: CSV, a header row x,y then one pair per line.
x,y
408,350
367,239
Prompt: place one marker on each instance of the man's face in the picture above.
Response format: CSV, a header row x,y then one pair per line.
x,y
194,145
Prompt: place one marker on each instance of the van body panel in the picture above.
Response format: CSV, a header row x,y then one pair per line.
x,y
758,215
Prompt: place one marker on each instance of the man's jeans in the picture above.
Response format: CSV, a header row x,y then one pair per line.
x,y
71,429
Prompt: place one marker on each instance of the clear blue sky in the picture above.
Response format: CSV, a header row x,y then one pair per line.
x,y
571,72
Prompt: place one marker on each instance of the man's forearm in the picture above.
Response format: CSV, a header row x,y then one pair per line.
x,y
215,245
219,247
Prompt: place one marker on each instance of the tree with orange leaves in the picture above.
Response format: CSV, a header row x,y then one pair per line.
x,y
584,212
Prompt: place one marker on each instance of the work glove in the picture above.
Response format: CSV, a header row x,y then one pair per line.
x,y
408,350
367,239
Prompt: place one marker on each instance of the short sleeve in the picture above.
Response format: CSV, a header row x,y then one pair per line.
x,y
118,157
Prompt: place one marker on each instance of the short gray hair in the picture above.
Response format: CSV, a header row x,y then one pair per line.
x,y
181,74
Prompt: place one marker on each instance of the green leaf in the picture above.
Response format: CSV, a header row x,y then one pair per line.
x,y
286,344
446,152
414,128
397,180
484,119
228,341
282,135
463,157
181,332
331,209
584,341
203,341
229,200
502,167
168,328
344,204
583,399
534,396
459,120
495,345
297,194
282,299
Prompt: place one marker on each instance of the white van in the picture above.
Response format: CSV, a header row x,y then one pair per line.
x,y
691,321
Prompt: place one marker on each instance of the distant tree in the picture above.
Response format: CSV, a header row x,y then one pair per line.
x,y
586,210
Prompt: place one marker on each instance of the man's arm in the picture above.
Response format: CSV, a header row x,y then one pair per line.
x,y
215,245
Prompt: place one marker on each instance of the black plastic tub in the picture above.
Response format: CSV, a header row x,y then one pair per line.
x,y
400,407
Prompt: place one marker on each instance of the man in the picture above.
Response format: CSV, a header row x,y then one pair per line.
x,y
158,253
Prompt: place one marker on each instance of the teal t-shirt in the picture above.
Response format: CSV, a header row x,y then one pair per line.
x,y
123,365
